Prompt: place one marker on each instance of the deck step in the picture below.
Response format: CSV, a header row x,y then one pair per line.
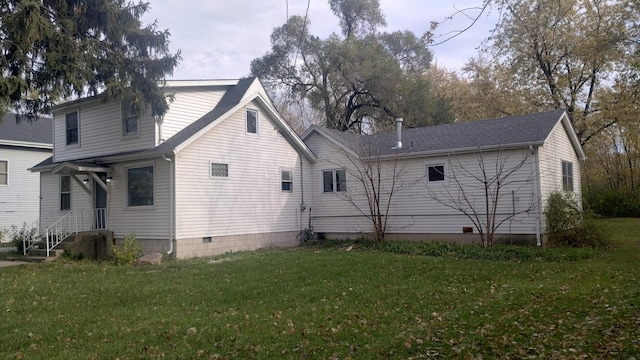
x,y
43,252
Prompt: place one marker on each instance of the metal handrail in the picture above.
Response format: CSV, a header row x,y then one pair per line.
x,y
60,229
73,222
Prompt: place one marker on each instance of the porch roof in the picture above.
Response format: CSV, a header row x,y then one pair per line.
x,y
79,167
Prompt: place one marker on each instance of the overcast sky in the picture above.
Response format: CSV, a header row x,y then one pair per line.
x,y
219,38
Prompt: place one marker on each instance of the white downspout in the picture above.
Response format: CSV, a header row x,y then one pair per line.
x,y
171,166
537,191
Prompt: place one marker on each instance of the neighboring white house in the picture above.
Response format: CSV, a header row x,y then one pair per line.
x,y
436,171
21,145
220,172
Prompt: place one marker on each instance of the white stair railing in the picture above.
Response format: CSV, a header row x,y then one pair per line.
x,y
74,222
63,227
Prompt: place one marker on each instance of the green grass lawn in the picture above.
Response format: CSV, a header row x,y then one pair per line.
x,y
328,303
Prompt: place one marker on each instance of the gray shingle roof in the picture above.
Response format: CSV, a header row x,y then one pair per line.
x,y
40,131
490,133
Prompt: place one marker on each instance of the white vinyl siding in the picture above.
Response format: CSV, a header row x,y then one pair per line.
x,y
413,211
147,222
20,193
250,201
100,132
557,149
188,106
50,202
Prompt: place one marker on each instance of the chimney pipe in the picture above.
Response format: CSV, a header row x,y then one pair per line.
x,y
399,133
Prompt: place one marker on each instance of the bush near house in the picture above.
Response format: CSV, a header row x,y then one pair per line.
x,y
568,225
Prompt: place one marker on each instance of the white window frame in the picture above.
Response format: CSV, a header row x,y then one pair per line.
x,y
567,176
211,165
66,129
5,173
253,111
334,181
128,112
286,181
445,173
153,186
65,193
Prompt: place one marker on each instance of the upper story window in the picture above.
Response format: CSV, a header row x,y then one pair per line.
x,y
129,119
219,170
71,128
436,173
140,186
65,192
567,176
334,180
4,172
252,121
286,177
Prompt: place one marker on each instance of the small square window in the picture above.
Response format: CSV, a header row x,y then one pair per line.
x,y
219,170
4,172
252,121
287,181
129,119
567,176
71,128
435,172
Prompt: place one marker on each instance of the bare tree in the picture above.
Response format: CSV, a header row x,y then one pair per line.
x,y
379,176
481,190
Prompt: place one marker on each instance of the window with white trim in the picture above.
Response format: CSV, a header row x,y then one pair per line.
x,y
252,121
72,133
567,176
219,170
65,192
286,180
334,180
436,173
4,172
140,186
129,119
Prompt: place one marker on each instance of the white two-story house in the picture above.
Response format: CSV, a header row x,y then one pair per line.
x,y
221,171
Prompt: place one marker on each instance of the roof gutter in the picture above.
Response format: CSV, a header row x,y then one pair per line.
x,y
409,155
171,191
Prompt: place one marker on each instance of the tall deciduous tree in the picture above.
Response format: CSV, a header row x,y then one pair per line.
x,y
354,77
59,49
565,52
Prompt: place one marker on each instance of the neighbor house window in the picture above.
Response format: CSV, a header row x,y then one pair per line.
x,y
219,170
334,180
252,121
140,186
567,176
4,172
65,192
286,180
435,172
71,128
129,119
